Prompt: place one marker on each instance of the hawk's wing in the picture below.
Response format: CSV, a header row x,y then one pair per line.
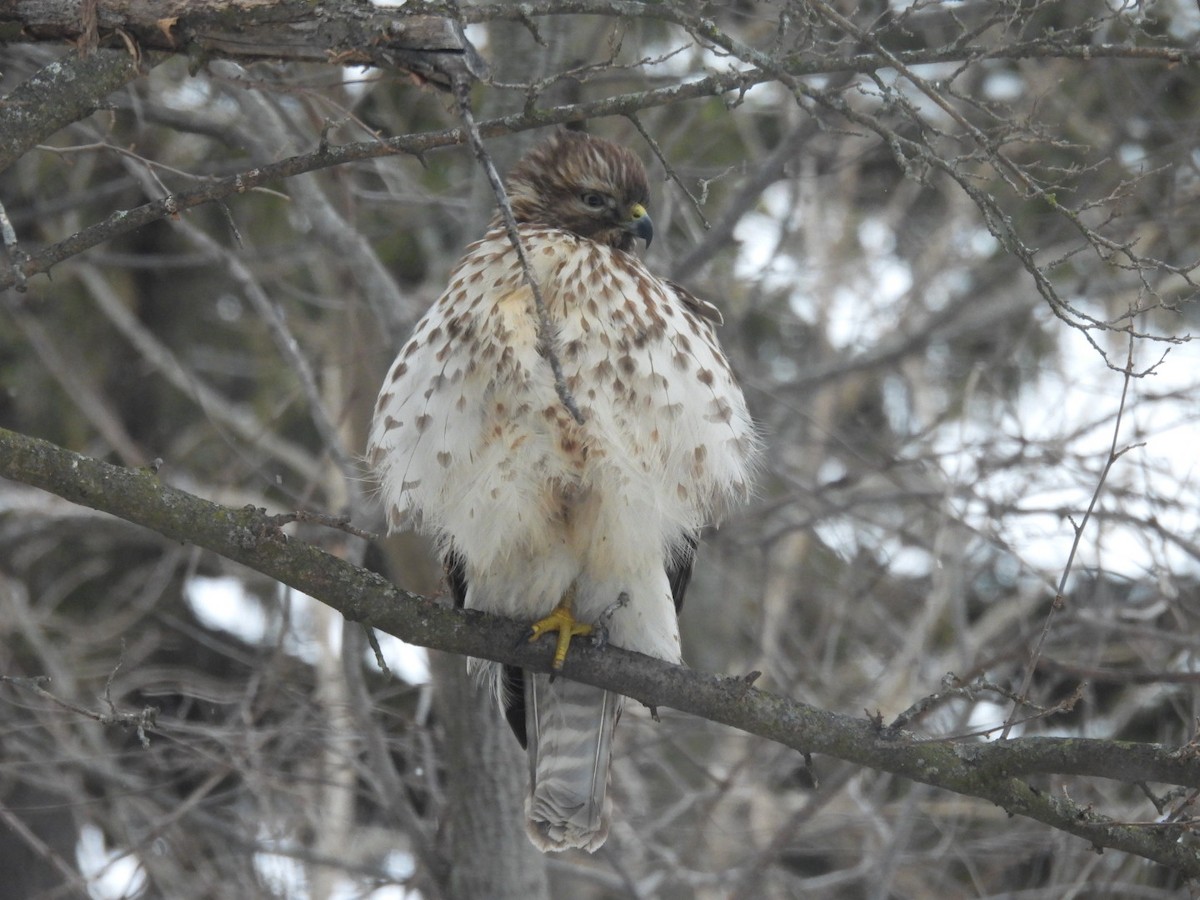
x,y
702,308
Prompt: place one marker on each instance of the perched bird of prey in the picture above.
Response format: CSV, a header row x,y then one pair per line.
x,y
538,516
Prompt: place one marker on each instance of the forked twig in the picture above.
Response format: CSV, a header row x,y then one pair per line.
x,y
141,721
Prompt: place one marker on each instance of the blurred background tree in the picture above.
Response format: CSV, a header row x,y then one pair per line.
x,y
954,244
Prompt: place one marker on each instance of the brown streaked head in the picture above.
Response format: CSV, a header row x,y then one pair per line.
x,y
583,184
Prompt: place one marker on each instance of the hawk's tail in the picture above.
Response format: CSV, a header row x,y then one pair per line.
x,y
569,728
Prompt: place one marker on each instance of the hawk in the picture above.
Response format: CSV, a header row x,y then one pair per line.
x,y
538,516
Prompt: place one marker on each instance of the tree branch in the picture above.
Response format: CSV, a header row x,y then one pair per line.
x,y
426,40
60,93
344,31
123,221
989,771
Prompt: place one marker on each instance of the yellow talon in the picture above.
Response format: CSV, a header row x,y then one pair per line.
x,y
564,622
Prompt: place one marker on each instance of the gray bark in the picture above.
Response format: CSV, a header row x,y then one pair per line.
x,y
485,795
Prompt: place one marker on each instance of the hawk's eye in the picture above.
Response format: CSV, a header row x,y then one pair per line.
x,y
593,199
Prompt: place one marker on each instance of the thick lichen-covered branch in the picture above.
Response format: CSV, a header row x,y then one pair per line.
x,y
345,32
62,92
989,771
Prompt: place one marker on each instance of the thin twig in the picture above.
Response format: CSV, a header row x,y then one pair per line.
x,y
373,640
671,173
112,707
341,523
1065,705
545,331
1059,597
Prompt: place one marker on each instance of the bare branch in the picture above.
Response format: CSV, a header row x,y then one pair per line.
x,y
989,771
327,156
432,47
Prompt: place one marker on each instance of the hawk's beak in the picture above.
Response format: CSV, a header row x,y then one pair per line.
x,y
639,224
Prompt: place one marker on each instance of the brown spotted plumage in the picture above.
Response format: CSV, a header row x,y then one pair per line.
x,y
534,511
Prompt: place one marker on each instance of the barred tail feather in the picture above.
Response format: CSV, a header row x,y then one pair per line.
x,y
570,729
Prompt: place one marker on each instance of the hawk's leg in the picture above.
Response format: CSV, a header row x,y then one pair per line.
x,y
600,629
562,620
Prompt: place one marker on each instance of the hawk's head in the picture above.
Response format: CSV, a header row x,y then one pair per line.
x,y
583,184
